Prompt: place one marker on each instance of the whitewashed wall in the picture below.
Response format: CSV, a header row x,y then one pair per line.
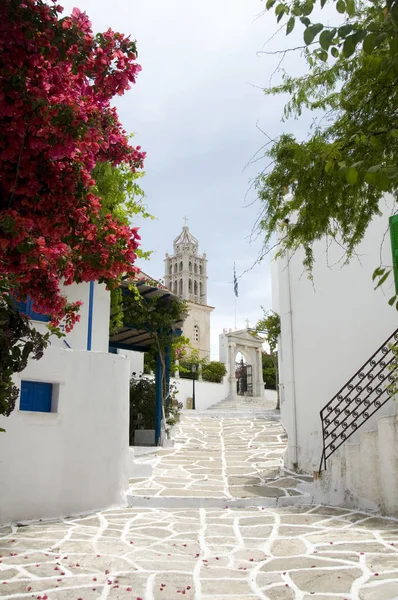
x,y
206,393
74,459
331,328
136,361
77,338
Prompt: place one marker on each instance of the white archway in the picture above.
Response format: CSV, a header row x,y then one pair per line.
x,y
243,344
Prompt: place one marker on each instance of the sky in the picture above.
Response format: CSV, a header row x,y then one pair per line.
x,y
197,110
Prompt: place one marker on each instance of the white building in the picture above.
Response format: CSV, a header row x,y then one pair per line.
x,y
330,328
65,449
186,276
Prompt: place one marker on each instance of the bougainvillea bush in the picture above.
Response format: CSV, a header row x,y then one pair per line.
x,y
57,81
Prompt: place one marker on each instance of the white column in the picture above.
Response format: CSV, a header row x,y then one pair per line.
x,y
231,363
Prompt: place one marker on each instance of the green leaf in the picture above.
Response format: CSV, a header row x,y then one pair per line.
x,y
392,300
380,39
325,39
374,169
2,430
350,7
305,21
340,6
308,8
351,175
280,16
377,272
369,43
280,9
383,279
311,32
323,55
345,30
270,4
329,166
334,52
290,25
349,46
374,141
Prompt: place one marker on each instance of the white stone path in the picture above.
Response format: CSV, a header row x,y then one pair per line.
x,y
221,551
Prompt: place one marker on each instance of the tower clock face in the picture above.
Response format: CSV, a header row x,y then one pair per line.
x,y
185,248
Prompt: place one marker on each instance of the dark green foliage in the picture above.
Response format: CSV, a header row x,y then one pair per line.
x,y
270,327
18,342
213,371
269,371
143,404
338,176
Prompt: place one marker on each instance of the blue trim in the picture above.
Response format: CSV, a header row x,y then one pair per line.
x,y
158,410
90,316
167,361
36,396
132,347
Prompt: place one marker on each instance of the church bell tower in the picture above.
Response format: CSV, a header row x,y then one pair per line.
x,y
186,276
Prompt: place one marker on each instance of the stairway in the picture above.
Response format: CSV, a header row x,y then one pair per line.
x,y
244,405
364,475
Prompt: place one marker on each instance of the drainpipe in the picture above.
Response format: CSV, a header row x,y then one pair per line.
x,y
293,437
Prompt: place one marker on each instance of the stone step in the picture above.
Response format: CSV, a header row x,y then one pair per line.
x,y
221,502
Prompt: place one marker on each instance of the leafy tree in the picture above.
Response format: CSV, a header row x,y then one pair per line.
x,y
270,327
269,372
338,176
156,315
143,405
214,371
56,124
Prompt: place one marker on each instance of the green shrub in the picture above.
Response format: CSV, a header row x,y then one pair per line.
x,y
213,371
143,404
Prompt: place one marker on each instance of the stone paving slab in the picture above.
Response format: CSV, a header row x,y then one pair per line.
x,y
225,553
224,457
193,534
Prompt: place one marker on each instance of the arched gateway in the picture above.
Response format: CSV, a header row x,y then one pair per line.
x,y
241,352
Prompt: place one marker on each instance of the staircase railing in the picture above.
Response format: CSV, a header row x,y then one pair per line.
x,y
364,394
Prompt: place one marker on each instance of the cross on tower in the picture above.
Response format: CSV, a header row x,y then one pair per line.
x,y
186,221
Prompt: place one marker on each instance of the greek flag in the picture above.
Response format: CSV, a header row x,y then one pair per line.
x,y
235,283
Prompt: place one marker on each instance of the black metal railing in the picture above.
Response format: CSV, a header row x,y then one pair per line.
x,y
367,391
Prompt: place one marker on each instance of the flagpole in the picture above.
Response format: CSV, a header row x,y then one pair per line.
x,y
235,292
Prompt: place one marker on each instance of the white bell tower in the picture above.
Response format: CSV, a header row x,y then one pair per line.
x,y
186,276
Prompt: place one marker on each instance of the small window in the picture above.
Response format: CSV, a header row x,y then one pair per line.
x,y
181,266
196,334
175,287
195,288
190,266
36,396
180,287
200,269
26,308
200,289
190,286
196,268
170,269
175,268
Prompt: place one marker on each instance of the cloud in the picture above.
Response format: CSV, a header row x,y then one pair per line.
x,y
194,110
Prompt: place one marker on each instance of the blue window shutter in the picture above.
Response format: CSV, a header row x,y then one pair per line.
x,y
35,315
394,247
36,396
20,306
25,400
